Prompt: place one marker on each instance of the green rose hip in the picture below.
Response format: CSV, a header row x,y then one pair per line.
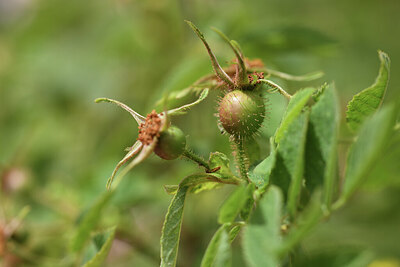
x,y
242,113
171,143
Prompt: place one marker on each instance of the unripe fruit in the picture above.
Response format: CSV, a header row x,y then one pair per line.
x,y
241,113
171,143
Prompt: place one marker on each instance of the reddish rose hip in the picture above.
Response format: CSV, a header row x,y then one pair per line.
x,y
242,113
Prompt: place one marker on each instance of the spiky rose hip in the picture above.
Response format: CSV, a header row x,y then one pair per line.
x,y
242,113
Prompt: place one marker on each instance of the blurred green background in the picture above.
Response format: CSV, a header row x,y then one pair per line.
x,y
57,147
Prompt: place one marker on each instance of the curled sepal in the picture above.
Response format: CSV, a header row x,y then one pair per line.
x,y
217,68
301,78
275,88
180,95
139,118
144,153
182,110
132,151
242,73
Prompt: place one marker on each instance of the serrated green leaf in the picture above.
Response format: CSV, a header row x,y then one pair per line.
x,y
221,161
172,228
321,150
296,104
304,224
218,251
289,167
365,103
101,255
372,139
261,239
232,206
89,221
173,219
261,173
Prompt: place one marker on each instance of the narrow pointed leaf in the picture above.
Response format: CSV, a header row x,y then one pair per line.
x,y
365,103
296,104
103,248
173,220
172,228
262,239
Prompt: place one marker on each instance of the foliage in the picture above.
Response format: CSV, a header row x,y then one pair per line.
x,y
103,243
305,140
301,191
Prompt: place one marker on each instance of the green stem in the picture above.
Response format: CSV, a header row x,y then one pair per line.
x,y
196,158
241,158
